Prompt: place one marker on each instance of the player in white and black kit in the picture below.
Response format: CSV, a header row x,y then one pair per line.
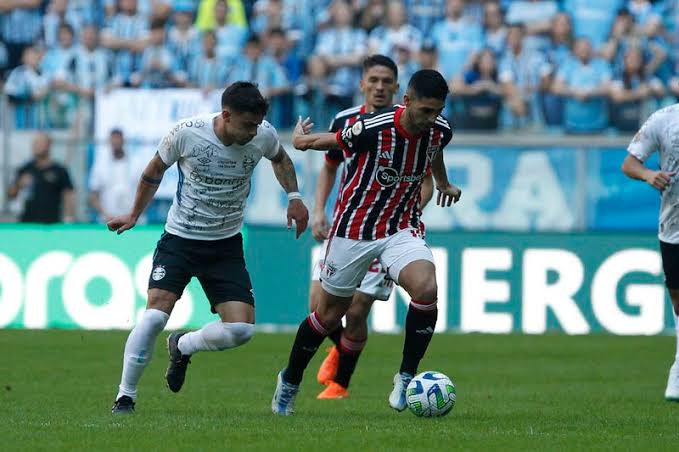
x,y
379,84
216,154
661,133
390,153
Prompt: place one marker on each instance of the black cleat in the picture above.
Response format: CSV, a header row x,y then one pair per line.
x,y
176,370
124,405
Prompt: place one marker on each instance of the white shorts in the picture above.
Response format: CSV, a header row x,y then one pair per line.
x,y
376,283
347,261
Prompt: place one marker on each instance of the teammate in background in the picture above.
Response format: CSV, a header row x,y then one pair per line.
x,y
389,153
378,84
216,154
659,133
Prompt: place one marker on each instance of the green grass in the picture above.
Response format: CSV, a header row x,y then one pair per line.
x,y
514,393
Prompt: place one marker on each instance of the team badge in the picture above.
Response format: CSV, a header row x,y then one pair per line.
x,y
357,128
158,273
199,123
432,150
248,163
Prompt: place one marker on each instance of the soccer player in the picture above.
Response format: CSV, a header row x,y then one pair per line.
x,y
379,217
659,133
378,84
216,154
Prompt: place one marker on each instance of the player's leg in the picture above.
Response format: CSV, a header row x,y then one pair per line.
x,y
226,282
411,263
670,258
167,281
353,341
345,265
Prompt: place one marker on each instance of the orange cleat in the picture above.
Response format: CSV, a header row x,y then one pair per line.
x,y
328,369
333,391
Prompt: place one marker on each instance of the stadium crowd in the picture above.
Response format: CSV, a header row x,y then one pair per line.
x,y
573,65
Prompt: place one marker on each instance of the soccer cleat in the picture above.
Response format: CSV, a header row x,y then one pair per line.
x,y
124,405
333,391
672,390
283,401
397,398
328,369
176,370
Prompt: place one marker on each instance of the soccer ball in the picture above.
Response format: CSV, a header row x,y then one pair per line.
x,y
431,394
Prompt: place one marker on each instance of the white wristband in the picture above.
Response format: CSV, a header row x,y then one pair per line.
x,y
294,195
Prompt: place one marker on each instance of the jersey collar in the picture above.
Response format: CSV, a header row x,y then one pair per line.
x,y
400,128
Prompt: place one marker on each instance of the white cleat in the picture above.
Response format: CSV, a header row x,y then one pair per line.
x,y
397,398
283,401
672,390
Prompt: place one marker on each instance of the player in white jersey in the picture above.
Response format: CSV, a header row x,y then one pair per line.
x,y
661,133
379,84
216,154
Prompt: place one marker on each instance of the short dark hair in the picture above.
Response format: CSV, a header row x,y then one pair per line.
x,y
253,39
157,23
380,60
116,131
244,97
67,27
428,83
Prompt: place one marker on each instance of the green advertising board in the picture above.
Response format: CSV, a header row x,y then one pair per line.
x,y
86,277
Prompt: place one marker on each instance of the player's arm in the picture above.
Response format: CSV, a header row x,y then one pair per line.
x,y
448,193
284,170
426,191
324,184
146,189
303,139
644,144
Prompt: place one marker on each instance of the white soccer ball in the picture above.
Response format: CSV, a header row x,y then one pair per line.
x,y
431,394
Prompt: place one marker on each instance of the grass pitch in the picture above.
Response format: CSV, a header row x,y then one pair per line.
x,y
514,393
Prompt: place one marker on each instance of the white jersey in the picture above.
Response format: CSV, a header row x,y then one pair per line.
x,y
661,133
214,179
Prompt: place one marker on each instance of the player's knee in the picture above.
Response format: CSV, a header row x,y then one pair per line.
x,y
424,290
162,300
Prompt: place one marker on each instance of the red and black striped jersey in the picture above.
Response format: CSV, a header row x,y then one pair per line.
x,y
385,166
344,118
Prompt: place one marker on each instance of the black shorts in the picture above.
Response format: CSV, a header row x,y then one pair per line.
x,y
219,266
670,264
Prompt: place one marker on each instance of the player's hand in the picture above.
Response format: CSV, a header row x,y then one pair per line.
x,y
659,179
121,223
320,226
303,127
448,195
298,212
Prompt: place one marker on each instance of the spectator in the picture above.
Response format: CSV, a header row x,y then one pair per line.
x,y
593,19
20,28
127,36
395,32
536,16
58,14
480,92
428,57
522,71
267,14
206,18
43,187
658,51
643,12
158,68
557,54
266,72
372,15
279,48
423,14
113,180
457,39
230,36
62,100
147,9
623,35
407,65
26,89
183,39
630,90
584,83
334,68
206,70
91,63
494,30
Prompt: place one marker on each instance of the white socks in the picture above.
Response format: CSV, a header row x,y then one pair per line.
x,y
139,349
216,336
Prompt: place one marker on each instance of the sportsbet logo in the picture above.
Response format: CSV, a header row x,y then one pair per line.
x,y
387,176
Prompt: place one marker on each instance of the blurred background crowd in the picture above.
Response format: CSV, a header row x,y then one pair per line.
x,y
569,65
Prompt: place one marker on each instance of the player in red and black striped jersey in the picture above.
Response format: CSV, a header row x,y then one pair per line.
x,y
379,83
389,153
